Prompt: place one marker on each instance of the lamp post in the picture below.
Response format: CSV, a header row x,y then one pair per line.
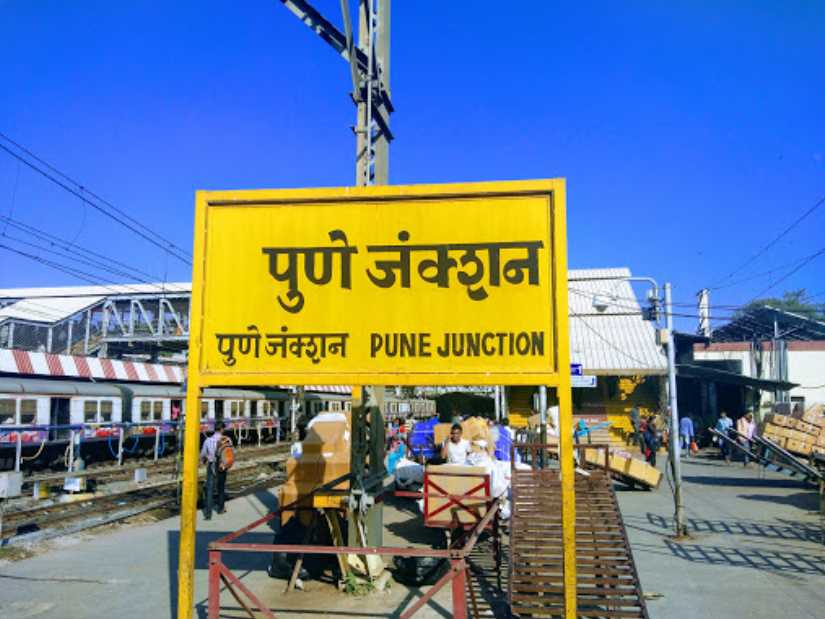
x,y
675,452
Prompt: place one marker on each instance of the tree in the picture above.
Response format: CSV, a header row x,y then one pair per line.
x,y
791,301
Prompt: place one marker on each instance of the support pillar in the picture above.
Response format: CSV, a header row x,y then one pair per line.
x,y
459,590
18,451
71,449
713,405
213,609
88,332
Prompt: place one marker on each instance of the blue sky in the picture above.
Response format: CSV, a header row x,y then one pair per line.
x,y
690,133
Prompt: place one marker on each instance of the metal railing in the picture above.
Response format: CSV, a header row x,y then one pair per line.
x,y
75,434
456,576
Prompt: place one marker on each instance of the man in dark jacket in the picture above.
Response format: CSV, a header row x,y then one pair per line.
x,y
651,440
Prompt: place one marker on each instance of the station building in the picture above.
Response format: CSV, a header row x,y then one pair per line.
x,y
762,360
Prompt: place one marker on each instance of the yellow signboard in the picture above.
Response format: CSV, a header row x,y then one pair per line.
x,y
432,284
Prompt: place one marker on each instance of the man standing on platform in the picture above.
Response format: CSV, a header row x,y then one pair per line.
x,y
635,437
723,426
686,433
215,471
746,428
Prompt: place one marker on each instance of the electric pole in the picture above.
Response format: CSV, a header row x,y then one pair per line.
x,y
675,448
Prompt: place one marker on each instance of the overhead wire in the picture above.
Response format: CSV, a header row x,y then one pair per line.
x,y
14,192
84,189
71,246
118,216
62,254
635,310
87,277
807,261
771,272
729,307
775,240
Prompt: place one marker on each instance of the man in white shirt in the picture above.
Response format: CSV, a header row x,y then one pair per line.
x,y
455,449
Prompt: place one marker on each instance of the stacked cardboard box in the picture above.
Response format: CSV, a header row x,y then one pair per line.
x,y
626,466
802,433
815,416
325,456
473,429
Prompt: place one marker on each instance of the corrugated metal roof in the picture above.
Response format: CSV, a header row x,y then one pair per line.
x,y
47,310
584,274
616,339
35,386
99,291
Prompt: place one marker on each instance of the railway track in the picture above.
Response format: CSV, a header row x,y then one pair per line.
x,y
105,473
58,518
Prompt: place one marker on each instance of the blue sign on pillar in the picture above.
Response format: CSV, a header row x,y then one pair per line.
x,y
576,369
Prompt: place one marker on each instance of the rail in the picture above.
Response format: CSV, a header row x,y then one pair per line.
x,y
769,455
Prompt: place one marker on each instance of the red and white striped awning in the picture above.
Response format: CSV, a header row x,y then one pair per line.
x,y
342,389
23,362
26,363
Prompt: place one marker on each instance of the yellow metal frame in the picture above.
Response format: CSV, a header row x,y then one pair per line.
x,y
558,377
208,200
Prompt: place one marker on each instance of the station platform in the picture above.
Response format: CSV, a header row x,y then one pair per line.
x,y
748,529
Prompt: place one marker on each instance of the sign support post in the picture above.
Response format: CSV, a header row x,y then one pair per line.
x,y
191,440
565,396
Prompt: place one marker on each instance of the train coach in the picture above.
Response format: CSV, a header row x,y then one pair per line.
x,y
39,417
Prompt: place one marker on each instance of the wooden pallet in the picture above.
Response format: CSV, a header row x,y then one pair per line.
x,y
607,581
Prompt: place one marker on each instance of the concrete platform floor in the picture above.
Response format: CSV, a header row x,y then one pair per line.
x,y
756,550
756,546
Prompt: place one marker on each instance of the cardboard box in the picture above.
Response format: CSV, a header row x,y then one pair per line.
x,y
815,415
804,437
771,430
798,447
633,468
325,456
326,437
804,427
444,475
785,421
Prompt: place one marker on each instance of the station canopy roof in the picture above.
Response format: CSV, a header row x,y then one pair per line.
x,y
53,305
48,310
608,333
96,291
718,375
758,324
